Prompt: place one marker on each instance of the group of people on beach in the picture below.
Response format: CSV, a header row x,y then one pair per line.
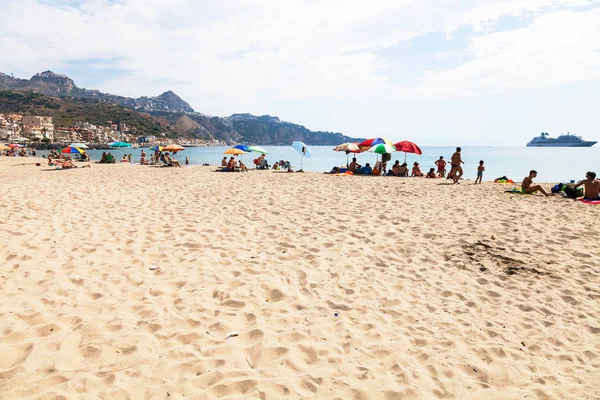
x,y
18,152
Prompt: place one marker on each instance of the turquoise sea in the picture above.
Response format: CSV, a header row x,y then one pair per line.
x,y
552,164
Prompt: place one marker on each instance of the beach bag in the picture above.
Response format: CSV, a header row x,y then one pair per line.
x,y
557,188
572,193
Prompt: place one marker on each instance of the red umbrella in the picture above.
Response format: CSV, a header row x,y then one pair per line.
x,y
13,145
408,147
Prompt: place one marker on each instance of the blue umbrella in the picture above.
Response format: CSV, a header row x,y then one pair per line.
x,y
241,147
303,150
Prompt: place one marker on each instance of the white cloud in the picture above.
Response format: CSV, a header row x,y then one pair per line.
x,y
284,56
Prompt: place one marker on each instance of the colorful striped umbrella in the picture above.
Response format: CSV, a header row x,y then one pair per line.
x,y
367,144
382,148
72,150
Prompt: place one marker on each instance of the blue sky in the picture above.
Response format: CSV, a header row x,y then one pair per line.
x,y
436,72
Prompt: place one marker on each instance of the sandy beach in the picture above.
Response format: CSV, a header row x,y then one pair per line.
x,y
124,281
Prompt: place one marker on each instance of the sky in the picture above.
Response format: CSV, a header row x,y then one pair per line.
x,y
436,72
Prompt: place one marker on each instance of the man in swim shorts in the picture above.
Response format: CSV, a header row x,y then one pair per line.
x,y
441,166
591,186
527,183
456,171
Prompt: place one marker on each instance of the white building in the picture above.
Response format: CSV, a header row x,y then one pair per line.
x,y
38,127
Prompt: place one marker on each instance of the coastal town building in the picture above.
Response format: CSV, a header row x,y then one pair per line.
x,y
38,128
10,126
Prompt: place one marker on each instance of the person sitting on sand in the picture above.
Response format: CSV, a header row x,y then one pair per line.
x,y
403,170
416,170
110,159
354,166
231,165
441,166
591,186
334,170
224,162
143,160
276,166
366,170
171,162
243,167
396,168
526,185
431,174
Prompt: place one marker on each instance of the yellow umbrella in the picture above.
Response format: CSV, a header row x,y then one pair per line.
x,y
235,151
3,147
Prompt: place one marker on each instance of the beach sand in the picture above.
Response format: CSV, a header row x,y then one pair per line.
x,y
339,287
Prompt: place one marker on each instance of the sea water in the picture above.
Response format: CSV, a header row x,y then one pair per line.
x,y
553,164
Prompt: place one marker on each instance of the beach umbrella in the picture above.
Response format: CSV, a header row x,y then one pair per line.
x,y
14,145
3,147
79,145
303,150
367,144
173,147
407,147
382,148
234,151
119,144
348,148
241,147
72,150
157,148
257,149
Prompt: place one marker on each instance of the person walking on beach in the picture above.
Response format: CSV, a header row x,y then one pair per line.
x,y
441,166
480,170
591,186
456,161
528,187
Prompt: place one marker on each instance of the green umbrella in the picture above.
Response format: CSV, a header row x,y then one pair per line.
x,y
119,144
257,149
382,148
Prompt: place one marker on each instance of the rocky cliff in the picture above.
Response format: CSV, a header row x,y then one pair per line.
x,y
51,84
168,111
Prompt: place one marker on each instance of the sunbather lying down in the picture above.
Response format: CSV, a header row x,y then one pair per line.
x,y
67,164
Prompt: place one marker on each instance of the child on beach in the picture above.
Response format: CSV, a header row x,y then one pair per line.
x,y
591,186
480,170
431,173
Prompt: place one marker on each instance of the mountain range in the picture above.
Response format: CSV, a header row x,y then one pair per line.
x,y
57,95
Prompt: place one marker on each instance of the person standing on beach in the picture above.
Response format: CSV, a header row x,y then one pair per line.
x,y
441,166
480,170
456,171
526,185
